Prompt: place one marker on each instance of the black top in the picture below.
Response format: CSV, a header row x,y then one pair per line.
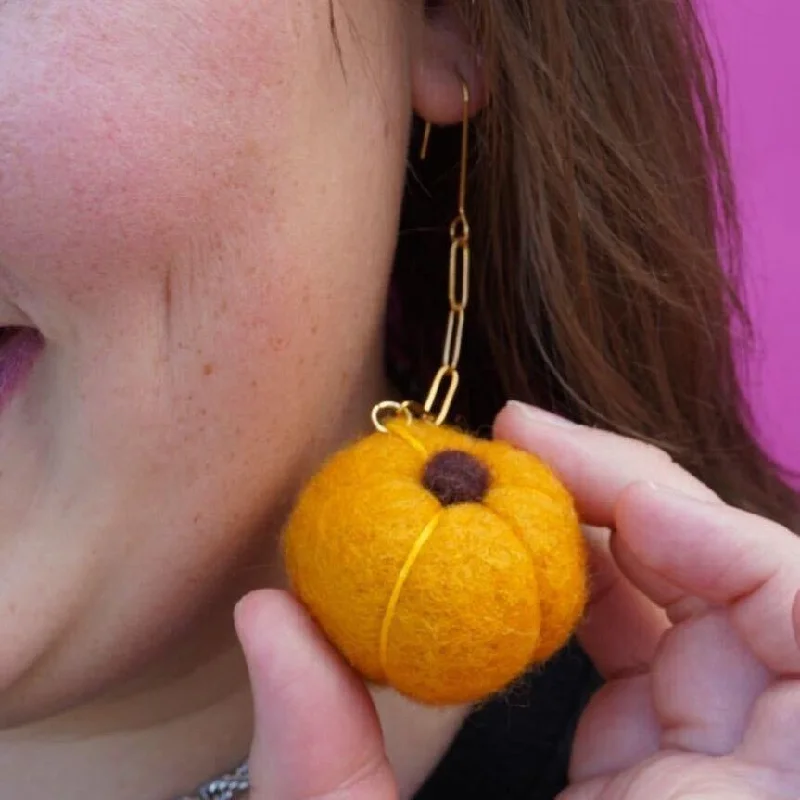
x,y
517,746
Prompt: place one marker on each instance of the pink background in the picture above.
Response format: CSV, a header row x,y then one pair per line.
x,y
759,42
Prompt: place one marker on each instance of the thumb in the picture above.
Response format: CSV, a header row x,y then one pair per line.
x,y
316,731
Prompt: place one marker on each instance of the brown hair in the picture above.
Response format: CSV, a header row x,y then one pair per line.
x,y
606,238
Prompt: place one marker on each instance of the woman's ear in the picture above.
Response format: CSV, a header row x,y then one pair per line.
x,y
445,56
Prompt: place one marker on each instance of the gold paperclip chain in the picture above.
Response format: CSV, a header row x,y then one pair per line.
x,y
443,388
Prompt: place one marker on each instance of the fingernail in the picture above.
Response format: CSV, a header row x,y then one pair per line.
x,y
669,493
245,609
540,415
699,496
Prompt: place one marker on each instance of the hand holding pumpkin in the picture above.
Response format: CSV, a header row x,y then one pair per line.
x,y
695,622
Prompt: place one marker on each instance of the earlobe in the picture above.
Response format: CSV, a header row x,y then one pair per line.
x,y
446,57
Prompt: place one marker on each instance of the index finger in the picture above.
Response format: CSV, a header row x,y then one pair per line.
x,y
596,466
683,550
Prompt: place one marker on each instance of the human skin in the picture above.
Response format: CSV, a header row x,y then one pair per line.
x,y
198,210
199,205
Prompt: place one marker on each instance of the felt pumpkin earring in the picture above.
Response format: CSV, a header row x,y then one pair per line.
x,y
438,563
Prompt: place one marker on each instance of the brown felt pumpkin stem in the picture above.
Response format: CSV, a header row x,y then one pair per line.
x,y
454,476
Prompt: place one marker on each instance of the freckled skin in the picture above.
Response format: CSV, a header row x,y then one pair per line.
x,y
178,184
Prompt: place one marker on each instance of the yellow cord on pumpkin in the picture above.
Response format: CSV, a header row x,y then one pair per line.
x,y
401,429
391,607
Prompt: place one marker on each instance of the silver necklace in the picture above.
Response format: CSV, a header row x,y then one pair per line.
x,y
226,787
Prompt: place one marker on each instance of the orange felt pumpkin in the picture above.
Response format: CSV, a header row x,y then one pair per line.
x,y
437,563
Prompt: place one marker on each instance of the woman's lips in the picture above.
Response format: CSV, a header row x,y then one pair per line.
x,y
19,348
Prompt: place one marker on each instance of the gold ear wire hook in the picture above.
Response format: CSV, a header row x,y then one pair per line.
x,y
426,138
462,190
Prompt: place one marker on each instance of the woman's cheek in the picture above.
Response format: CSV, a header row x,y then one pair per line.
x,y
129,128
